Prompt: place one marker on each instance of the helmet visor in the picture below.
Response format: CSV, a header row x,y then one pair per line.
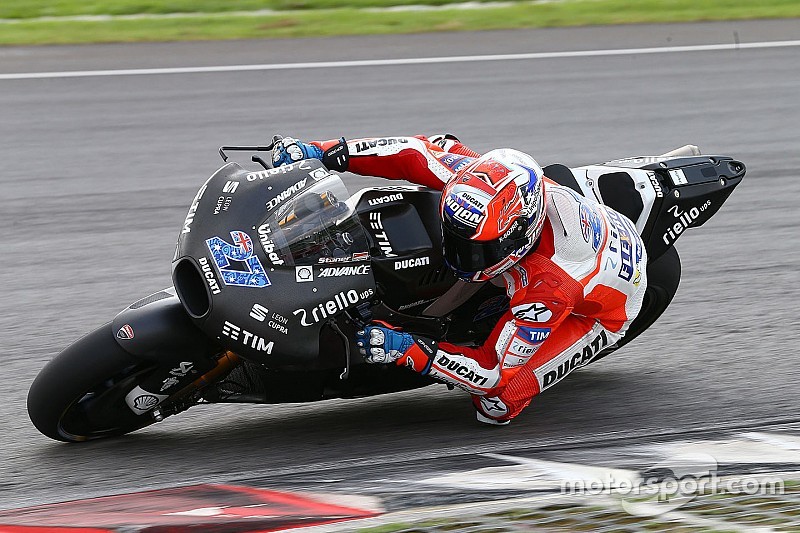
x,y
467,255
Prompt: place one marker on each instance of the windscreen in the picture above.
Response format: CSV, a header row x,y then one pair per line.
x,y
316,226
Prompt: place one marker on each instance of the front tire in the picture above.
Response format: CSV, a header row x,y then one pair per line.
x,y
80,394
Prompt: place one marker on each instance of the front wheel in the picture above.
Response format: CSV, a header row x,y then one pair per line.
x,y
80,394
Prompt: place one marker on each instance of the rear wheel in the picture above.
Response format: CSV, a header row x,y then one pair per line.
x,y
80,394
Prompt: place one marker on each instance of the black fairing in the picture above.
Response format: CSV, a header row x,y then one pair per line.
x,y
405,241
277,324
157,328
692,191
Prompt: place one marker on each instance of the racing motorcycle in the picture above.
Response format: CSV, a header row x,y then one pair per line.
x,y
275,270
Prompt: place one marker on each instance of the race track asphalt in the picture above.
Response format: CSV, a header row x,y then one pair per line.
x,y
98,172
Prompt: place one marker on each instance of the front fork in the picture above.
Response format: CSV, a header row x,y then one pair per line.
x,y
177,382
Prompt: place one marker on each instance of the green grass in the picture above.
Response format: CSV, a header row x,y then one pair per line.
x,y
58,8
317,19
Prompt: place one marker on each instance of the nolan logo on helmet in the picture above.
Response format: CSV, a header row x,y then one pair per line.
x,y
462,211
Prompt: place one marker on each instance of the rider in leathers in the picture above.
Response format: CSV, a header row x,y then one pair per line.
x,y
573,269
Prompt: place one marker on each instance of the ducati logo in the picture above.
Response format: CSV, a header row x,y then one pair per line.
x,y
125,332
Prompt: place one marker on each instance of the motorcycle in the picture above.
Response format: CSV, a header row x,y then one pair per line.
x,y
276,269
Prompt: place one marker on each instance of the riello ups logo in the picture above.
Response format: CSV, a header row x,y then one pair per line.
x,y
337,304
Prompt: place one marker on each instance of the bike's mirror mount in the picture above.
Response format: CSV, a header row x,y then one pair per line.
x,y
255,158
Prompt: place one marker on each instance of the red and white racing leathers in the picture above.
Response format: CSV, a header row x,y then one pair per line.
x,y
575,294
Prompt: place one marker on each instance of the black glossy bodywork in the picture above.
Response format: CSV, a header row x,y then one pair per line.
x,y
693,190
278,323
157,328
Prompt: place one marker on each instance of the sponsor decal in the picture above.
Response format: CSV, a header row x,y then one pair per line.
x,y
511,283
276,321
493,406
125,332
626,242
358,256
678,177
414,304
455,162
412,263
169,382
380,234
533,312
426,345
291,191
533,335
303,274
241,251
187,222
557,369
305,164
328,272
339,155
386,199
462,211
208,273
473,200
140,401
509,231
265,238
145,402
492,306
518,343
319,174
685,220
230,187
363,146
223,203
236,333
656,184
183,368
454,366
338,303
591,226
259,312
521,349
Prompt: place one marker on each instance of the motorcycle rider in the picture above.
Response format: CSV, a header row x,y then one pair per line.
x,y
574,269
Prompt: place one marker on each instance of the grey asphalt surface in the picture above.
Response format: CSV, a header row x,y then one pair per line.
x,y
97,175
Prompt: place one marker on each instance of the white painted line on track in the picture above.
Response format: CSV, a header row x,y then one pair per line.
x,y
397,62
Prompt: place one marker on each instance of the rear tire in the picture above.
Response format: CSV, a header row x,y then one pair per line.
x,y
80,394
